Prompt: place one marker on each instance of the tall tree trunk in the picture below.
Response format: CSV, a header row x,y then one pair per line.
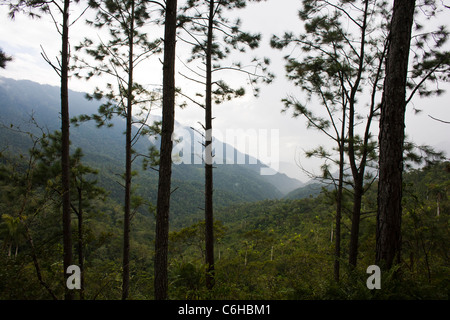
x,y
65,148
337,241
391,137
80,241
209,219
357,173
339,200
165,167
356,217
127,209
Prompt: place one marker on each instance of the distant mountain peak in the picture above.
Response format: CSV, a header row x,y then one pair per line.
x,y
103,148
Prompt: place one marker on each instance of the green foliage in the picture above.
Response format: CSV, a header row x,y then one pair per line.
x,y
310,190
273,249
4,59
282,249
111,58
228,38
270,249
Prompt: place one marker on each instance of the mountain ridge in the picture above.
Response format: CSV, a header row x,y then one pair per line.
x,y
22,100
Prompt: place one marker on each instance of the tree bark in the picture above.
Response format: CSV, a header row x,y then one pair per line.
x,y
80,241
339,200
165,167
356,217
357,172
65,149
391,136
209,219
127,207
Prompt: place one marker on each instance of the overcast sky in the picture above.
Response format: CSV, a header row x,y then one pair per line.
x,y
23,37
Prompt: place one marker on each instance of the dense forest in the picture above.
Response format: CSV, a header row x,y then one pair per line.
x,y
94,205
270,249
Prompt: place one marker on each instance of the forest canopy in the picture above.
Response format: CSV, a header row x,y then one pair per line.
x,y
95,206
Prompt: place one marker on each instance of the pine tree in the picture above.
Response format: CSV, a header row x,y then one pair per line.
x,y
341,67
165,165
119,57
32,8
392,125
48,171
428,65
23,200
203,21
4,59
338,63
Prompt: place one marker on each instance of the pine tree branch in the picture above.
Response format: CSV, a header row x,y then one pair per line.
x,y
192,79
346,13
192,70
47,59
192,100
195,38
421,82
55,22
61,10
447,122
81,14
330,115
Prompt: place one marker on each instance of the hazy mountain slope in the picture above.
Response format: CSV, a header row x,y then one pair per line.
x,y
21,101
309,190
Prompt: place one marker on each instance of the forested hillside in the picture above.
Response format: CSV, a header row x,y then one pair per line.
x,y
273,249
36,112
103,199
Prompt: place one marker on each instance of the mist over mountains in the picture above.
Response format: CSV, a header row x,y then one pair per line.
x,y
23,102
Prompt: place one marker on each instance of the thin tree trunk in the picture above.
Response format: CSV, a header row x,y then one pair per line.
x,y
65,149
27,230
127,209
391,137
165,167
36,262
358,174
80,242
337,247
356,217
209,219
438,207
